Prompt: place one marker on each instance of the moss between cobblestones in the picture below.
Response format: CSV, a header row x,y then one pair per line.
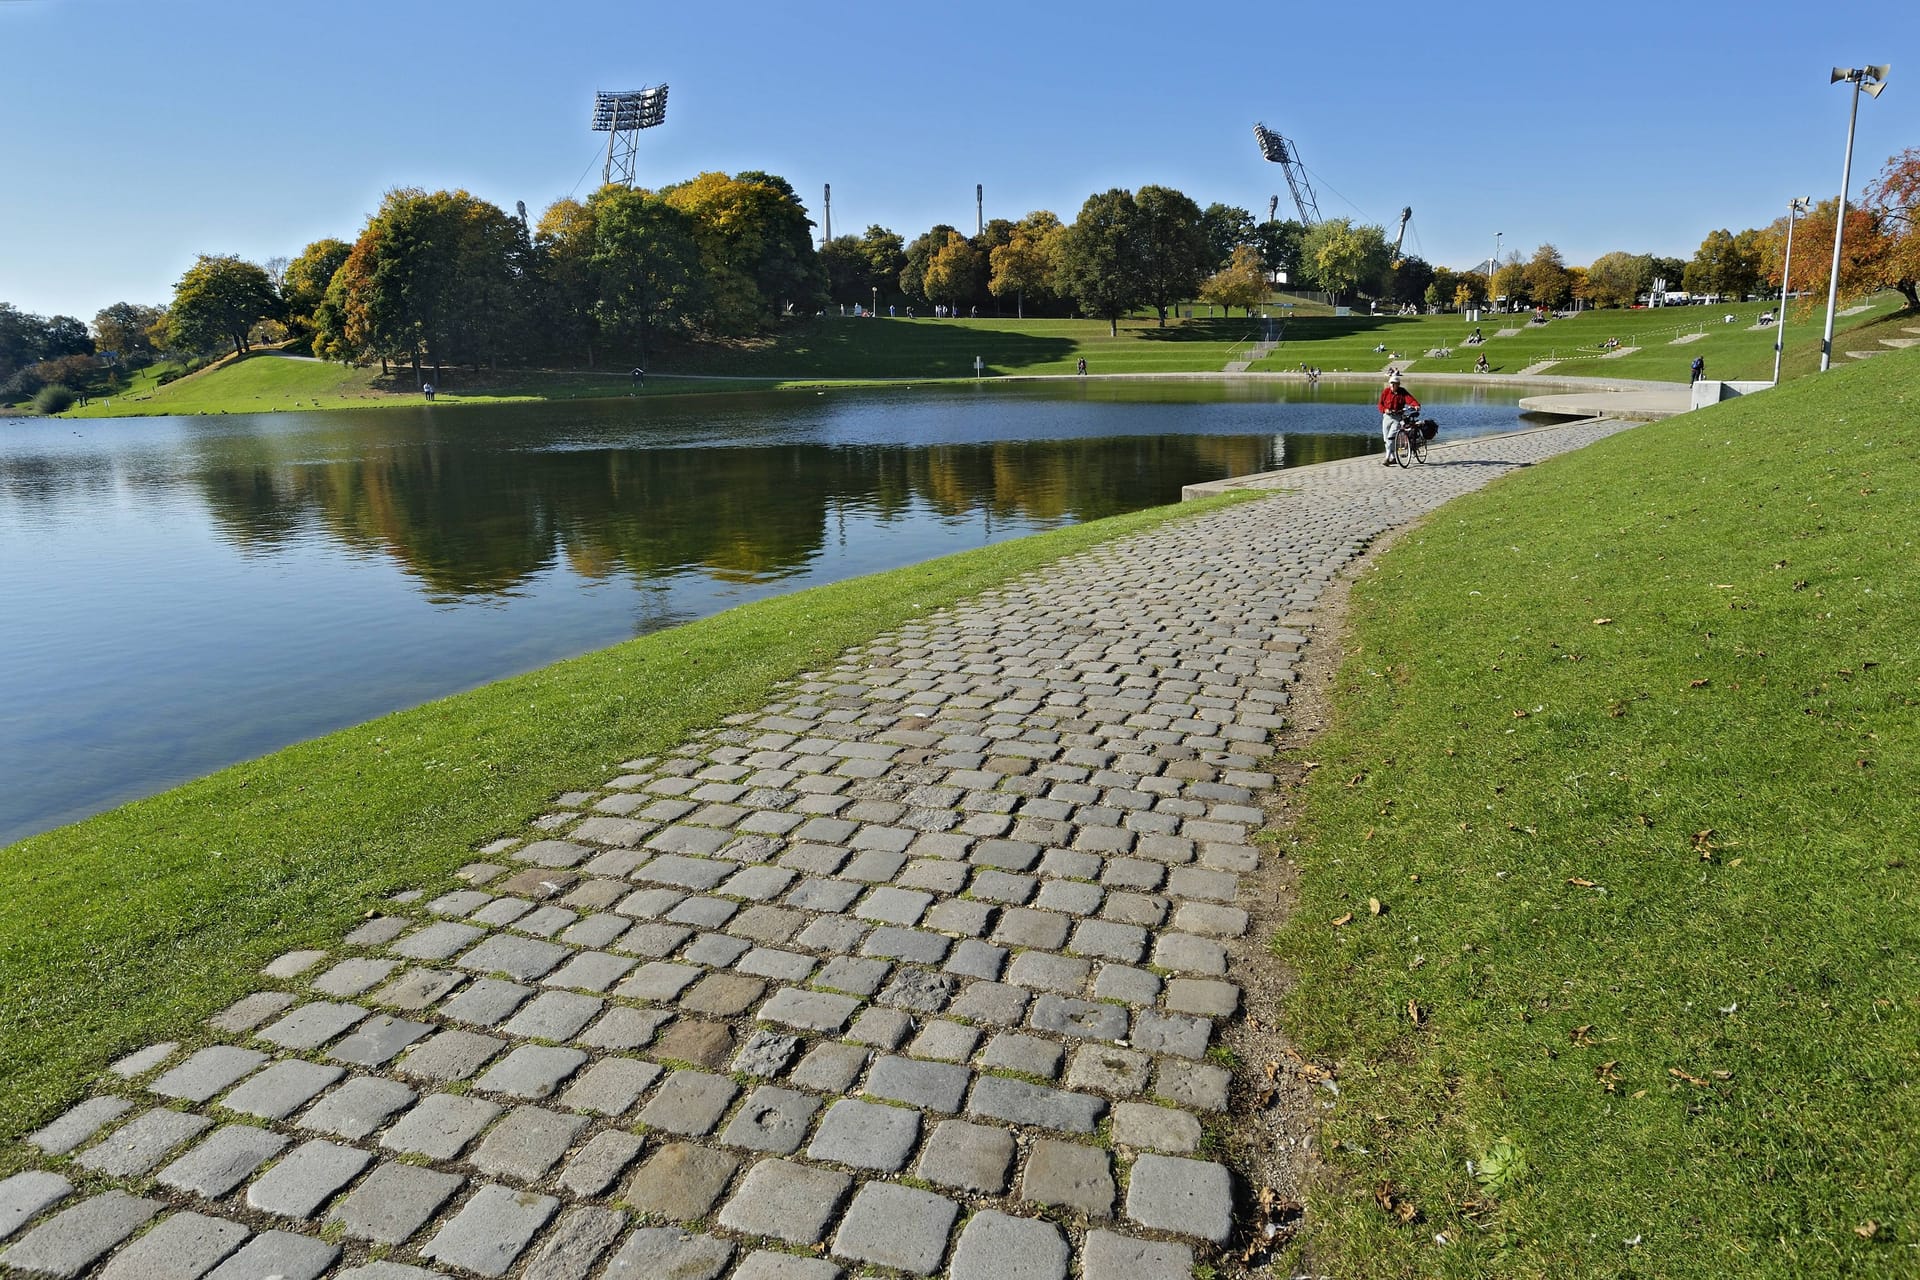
x,y
132,926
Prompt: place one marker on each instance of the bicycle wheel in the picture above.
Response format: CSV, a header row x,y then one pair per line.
x,y
1403,447
1420,447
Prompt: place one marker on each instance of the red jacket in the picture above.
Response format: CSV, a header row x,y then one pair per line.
x,y
1397,399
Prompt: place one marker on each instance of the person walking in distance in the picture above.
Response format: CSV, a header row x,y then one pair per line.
x,y
1699,368
1395,402
1082,367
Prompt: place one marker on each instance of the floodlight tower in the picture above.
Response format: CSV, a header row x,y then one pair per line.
x,y
621,116
1287,156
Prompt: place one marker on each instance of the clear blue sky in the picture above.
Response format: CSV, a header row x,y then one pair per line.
x,y
134,135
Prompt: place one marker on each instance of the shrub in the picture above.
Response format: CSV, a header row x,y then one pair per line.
x,y
169,376
23,385
54,399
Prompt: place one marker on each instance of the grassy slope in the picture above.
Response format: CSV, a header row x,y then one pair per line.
x,y
130,927
1553,908
849,349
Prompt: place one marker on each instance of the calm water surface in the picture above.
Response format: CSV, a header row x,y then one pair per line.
x,y
177,594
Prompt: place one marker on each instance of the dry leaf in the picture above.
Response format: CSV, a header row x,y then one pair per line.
x,y
1602,622
1374,907
1582,1036
1867,1230
1698,684
1678,1074
1416,1013
1584,884
1520,715
1343,920
1608,1080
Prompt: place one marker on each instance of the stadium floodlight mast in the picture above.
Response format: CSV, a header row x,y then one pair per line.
x,y
621,116
1283,153
1873,80
1797,206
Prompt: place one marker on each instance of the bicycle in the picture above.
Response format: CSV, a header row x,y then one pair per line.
x,y
1409,441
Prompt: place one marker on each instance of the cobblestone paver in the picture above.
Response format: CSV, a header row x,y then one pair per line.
x,y
916,967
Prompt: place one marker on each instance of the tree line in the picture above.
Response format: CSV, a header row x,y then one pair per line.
x,y
445,278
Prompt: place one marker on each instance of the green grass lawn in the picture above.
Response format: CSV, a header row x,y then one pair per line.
x,y
133,926
844,349
1627,751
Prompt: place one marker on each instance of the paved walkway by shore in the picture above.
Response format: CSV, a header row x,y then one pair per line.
x,y
917,968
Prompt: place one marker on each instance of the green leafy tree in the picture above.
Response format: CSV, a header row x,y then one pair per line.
x,y
1618,279
848,272
1510,281
1279,244
913,271
1099,257
1340,257
886,255
649,260
1407,279
1672,270
306,279
1226,227
1171,247
756,245
1893,198
1027,263
951,271
123,328
1725,264
1241,283
1547,281
566,282
219,300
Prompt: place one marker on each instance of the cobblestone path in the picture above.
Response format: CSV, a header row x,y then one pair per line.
x,y
915,969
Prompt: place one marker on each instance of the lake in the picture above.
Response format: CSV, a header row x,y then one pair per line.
x,y
178,594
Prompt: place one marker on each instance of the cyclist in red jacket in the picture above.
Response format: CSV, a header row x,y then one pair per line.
x,y
1396,404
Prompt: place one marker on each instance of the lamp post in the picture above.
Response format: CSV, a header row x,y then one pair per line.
x,y
1492,267
1873,80
1795,207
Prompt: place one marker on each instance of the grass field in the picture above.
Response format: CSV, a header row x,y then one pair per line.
x,y
1626,751
133,926
848,350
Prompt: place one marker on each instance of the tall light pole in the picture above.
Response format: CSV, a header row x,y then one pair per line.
x,y
1795,207
1493,265
1873,80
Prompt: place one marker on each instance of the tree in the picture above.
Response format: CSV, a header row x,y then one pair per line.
x,y
1893,197
66,336
1339,256
304,283
1547,281
1226,227
22,339
123,328
566,280
1406,281
847,269
756,244
886,255
913,271
1171,245
220,299
1672,270
1029,260
1279,245
951,269
1862,254
1241,283
1510,281
648,262
1099,256
1618,279
431,277
1725,264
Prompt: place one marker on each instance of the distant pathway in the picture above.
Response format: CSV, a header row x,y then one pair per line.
x,y
915,968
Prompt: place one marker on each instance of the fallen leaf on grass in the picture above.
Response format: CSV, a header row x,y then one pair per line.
x,y
1582,1036
1608,1081
1339,921
1415,1013
1519,715
1396,1205
1580,883
1603,622
1374,906
1867,1230
1698,684
1696,1081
